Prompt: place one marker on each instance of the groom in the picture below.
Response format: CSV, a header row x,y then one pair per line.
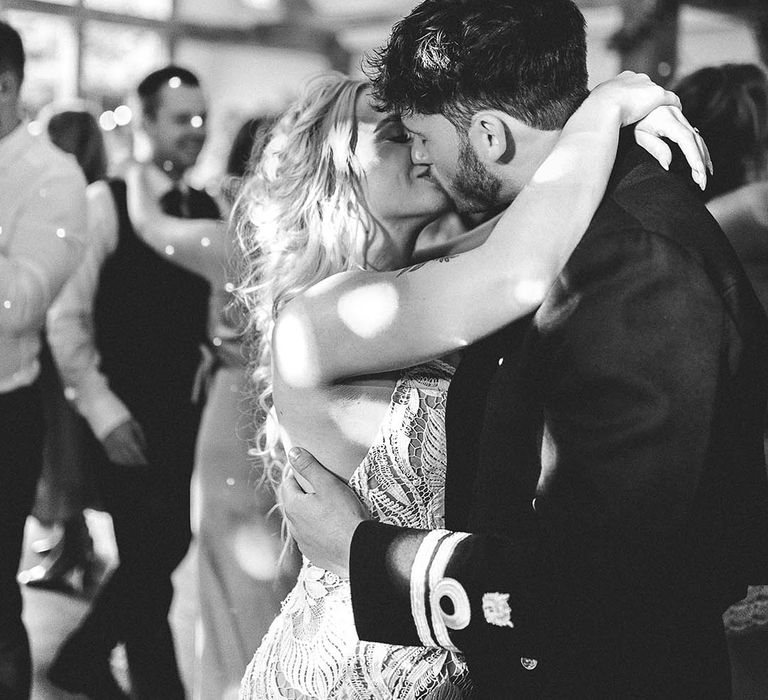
x,y
606,496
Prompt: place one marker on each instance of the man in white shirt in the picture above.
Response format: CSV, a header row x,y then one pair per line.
x,y
126,334
42,229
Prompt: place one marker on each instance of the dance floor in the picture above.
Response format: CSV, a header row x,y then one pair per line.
x,y
50,616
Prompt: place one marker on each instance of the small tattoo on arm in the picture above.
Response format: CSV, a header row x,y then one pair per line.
x,y
413,268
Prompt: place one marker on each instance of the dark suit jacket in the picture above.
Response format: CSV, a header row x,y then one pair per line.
x,y
631,407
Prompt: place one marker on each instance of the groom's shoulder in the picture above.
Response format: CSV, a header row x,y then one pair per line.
x,y
647,209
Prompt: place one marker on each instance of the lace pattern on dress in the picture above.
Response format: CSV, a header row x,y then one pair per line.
x,y
311,650
748,615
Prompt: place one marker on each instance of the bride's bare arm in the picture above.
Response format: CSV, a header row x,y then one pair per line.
x,y
203,246
358,323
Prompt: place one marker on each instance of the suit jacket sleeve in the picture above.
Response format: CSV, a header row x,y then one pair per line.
x,y
631,342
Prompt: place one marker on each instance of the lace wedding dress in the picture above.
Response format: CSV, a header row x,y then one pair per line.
x,y
311,651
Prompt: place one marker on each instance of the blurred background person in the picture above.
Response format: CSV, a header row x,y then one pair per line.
x,y
66,485
42,225
238,545
126,334
240,581
649,38
729,106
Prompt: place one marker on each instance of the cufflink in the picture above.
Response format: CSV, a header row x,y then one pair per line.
x,y
496,609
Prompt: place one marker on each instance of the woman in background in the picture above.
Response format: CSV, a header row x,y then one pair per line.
x,y
729,105
238,541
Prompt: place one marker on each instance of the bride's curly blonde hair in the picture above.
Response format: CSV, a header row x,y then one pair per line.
x,y
300,217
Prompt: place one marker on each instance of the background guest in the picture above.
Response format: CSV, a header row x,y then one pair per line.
x,y
42,225
126,335
66,485
729,106
241,585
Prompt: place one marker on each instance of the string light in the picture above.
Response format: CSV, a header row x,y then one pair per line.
x,y
205,241
7,304
123,115
107,120
61,233
169,250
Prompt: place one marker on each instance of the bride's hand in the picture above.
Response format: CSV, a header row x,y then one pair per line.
x,y
670,123
657,115
634,95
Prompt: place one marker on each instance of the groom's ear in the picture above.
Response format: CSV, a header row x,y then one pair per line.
x,y
490,138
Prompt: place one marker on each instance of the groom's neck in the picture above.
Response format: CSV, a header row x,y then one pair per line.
x,y
531,149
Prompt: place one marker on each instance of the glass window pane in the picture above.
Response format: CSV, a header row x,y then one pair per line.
x,y
154,9
223,13
50,44
116,57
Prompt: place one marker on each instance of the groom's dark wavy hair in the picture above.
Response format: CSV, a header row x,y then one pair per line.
x,y
527,58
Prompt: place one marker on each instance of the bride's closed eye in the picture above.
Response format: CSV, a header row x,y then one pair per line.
x,y
398,135
400,138
395,132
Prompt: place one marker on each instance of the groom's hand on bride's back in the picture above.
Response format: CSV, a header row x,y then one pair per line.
x,y
323,516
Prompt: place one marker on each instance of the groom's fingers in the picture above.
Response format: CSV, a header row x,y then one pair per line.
x,y
290,489
289,498
309,469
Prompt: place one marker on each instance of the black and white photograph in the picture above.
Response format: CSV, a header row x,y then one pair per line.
x,y
383,350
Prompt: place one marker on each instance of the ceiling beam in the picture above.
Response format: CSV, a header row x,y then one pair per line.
x,y
296,32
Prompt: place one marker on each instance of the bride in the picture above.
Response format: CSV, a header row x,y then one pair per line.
x,y
327,221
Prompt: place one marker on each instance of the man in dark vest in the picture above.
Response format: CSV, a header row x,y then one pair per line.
x,y
606,494
127,336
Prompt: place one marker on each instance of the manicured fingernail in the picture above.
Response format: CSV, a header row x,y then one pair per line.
x,y
294,453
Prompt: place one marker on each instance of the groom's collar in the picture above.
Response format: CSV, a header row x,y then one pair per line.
x,y
630,156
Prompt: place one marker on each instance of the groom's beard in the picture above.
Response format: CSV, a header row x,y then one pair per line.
x,y
474,187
